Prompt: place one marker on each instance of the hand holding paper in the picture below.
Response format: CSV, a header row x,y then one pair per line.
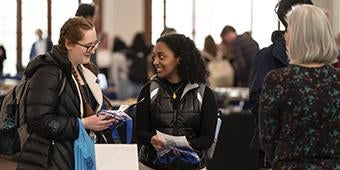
x,y
176,150
119,115
174,141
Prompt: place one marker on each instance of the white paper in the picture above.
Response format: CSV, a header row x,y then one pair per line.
x,y
116,156
174,141
123,107
118,114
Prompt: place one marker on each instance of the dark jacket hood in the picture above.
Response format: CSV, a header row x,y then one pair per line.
x,y
52,57
38,62
279,47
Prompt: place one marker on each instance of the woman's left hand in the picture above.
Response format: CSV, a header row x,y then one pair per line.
x,y
157,142
98,123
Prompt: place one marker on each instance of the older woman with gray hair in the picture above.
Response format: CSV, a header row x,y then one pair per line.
x,y
300,104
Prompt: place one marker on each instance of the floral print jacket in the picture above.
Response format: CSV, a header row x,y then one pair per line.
x,y
299,117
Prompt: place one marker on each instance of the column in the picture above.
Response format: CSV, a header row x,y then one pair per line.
x,y
335,15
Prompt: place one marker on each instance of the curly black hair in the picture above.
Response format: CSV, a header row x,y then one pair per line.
x,y
191,65
284,6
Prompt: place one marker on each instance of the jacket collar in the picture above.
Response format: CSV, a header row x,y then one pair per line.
x,y
94,86
189,86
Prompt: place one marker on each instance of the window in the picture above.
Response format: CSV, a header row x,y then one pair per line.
x,y
179,15
209,17
157,19
8,30
264,21
32,20
61,13
87,1
213,15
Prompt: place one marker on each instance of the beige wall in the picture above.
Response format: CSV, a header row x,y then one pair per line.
x,y
123,18
335,15
322,3
332,7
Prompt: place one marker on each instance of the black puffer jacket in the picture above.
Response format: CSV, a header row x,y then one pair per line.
x,y
51,119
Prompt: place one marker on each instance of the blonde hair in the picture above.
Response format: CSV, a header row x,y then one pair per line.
x,y
310,36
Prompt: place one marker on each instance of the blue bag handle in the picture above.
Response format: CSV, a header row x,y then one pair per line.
x,y
129,124
84,152
129,127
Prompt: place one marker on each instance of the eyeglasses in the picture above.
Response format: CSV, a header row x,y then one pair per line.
x,y
90,47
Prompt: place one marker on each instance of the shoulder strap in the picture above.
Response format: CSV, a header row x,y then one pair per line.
x,y
154,87
200,94
63,82
61,76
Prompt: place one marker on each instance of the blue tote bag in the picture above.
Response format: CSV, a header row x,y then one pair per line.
x,y
84,153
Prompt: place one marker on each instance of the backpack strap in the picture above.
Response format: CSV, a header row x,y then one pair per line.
x,y
154,87
200,94
63,83
61,76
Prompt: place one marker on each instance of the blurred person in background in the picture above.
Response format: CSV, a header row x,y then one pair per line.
x,y
103,54
87,11
221,73
137,63
118,70
41,45
239,50
3,57
168,31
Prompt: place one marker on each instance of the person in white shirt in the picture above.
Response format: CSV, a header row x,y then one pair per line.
x,y
40,46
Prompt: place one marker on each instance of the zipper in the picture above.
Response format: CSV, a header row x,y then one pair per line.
x,y
50,152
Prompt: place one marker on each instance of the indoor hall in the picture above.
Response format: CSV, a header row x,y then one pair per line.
x,y
124,53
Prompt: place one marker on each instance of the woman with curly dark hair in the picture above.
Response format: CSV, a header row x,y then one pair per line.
x,y
176,102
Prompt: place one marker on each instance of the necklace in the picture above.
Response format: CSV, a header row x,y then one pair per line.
x,y
174,96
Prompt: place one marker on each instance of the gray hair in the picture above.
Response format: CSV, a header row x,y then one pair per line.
x,y
310,36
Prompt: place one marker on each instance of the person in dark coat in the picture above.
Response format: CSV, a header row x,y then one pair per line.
x,y
52,119
299,104
240,50
266,60
2,59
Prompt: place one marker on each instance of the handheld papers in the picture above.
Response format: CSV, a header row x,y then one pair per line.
x,y
177,152
174,141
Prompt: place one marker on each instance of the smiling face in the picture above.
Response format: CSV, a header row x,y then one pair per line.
x,y
165,63
81,51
